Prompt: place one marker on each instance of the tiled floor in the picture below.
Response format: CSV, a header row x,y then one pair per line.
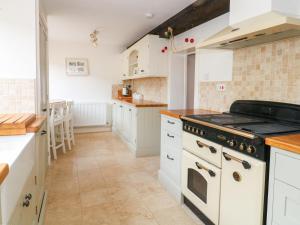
x,y
100,182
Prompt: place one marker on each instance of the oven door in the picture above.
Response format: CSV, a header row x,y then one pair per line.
x,y
243,189
201,185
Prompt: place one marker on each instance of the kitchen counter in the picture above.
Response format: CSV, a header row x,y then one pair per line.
x,y
3,171
286,142
36,125
178,113
142,103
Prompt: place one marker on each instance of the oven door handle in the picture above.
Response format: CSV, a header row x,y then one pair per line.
x,y
201,167
211,148
245,164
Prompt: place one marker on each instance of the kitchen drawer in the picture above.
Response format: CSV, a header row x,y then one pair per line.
x,y
286,169
286,206
203,148
170,164
171,139
171,124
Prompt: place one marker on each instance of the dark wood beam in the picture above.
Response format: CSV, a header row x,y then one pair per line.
x,y
195,14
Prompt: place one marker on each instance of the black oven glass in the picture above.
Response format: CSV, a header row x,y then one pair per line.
x,y
197,184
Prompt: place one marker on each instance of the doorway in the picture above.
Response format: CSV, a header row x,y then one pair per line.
x,y
190,81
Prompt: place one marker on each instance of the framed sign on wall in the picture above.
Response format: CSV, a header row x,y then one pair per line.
x,y
77,66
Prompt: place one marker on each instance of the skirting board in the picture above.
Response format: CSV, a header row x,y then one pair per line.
x,y
170,186
81,130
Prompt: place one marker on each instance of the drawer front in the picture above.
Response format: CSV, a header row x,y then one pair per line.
x,y
286,205
171,163
171,124
203,148
171,140
286,169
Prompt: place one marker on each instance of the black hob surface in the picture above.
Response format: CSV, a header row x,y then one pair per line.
x,y
254,125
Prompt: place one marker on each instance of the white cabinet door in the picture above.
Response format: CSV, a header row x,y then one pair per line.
x,y
125,64
120,117
114,114
286,207
143,57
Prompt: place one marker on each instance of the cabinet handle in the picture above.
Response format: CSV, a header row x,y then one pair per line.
x,y
129,110
142,71
28,196
170,122
245,164
26,203
43,132
170,158
211,148
44,110
210,172
170,136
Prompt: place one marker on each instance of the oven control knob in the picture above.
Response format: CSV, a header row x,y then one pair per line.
x,y
251,149
202,132
242,147
232,143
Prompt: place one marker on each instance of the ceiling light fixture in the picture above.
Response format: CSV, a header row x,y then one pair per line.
x,y
94,38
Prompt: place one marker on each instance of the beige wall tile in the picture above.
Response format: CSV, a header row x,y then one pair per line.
x,y
17,95
264,72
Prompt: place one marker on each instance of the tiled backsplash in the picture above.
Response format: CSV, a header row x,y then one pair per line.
x,y
154,88
17,95
265,72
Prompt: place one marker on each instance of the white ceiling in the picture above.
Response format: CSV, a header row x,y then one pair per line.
x,y
120,21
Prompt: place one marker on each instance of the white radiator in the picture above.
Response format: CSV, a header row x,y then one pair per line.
x,y
91,114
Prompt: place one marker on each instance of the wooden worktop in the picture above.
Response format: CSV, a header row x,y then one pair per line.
x,y
3,172
287,142
36,125
178,113
142,103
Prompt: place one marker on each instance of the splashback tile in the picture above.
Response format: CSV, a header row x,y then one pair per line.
x,y
264,72
17,95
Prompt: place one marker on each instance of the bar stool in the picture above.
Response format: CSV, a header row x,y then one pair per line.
x,y
68,124
56,123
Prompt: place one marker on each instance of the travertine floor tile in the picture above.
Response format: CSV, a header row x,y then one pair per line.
x,y
100,182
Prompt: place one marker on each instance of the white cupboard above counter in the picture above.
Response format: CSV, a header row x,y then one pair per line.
x,y
146,58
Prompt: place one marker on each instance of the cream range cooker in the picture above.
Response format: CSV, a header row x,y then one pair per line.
x,y
225,160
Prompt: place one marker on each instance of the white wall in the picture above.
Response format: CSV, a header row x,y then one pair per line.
x,y
17,39
244,9
178,69
104,68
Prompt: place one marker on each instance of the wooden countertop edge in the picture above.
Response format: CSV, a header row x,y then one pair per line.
x,y
179,113
36,125
142,105
4,170
289,143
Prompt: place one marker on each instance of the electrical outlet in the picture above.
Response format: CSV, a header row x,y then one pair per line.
x,y
221,87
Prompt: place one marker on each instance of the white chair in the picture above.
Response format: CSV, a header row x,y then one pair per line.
x,y
68,124
56,123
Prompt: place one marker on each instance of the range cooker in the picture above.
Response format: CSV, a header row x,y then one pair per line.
x,y
225,160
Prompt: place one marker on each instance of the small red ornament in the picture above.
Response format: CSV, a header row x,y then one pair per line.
x,y
186,40
192,40
166,48
163,51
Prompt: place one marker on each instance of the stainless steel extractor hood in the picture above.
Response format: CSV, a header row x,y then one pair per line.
x,y
265,28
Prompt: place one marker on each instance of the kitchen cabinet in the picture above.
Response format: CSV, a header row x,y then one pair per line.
x,y
241,10
284,188
170,155
146,59
41,168
139,127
